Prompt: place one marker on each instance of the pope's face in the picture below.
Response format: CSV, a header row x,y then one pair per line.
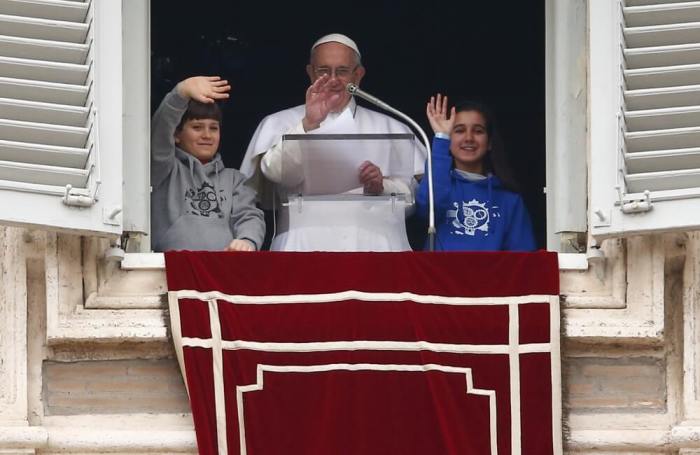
x,y
340,63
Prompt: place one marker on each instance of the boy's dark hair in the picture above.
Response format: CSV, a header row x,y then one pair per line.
x,y
197,110
495,160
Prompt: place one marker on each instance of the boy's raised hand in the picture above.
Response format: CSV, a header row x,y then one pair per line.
x,y
437,114
205,89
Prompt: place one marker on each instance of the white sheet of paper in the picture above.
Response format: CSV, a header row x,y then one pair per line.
x,y
333,166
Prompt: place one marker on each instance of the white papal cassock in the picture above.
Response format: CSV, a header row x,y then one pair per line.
x,y
333,227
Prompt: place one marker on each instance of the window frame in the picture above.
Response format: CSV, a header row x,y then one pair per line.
x,y
566,90
565,158
136,56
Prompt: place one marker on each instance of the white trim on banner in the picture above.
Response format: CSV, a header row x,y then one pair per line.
x,y
218,366
368,345
470,389
360,295
514,363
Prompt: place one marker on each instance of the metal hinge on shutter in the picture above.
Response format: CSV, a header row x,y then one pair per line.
x,y
79,197
629,206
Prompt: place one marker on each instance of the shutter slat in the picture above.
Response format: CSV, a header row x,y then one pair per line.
x,y
662,139
662,35
663,181
54,51
662,97
663,160
645,141
45,9
43,133
655,56
685,194
43,154
39,70
32,111
32,188
50,92
662,14
43,175
26,27
649,2
670,76
667,118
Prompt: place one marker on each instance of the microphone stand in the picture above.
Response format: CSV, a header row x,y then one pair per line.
x,y
354,90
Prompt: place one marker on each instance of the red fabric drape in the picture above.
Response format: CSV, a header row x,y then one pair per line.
x,y
308,368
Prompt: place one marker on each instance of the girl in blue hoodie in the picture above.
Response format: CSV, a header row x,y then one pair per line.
x,y
477,207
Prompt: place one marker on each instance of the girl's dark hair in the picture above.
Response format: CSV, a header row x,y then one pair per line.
x,y
200,111
495,160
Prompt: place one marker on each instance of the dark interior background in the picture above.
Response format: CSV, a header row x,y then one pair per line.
x,y
465,49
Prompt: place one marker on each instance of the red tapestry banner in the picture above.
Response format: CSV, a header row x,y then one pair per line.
x,y
369,353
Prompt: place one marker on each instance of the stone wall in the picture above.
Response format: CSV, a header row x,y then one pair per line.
x,y
86,365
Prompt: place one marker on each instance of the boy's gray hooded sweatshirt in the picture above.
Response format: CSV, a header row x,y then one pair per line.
x,y
196,206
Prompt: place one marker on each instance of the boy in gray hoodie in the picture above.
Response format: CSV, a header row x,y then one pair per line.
x,y
196,202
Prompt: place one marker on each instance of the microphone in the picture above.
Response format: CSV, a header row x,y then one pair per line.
x,y
354,90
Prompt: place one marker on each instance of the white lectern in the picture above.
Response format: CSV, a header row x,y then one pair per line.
x,y
324,208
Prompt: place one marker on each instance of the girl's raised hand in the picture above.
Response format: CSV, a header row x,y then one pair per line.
x,y
437,114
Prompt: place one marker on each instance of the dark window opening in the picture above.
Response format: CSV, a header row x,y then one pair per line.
x,y
492,51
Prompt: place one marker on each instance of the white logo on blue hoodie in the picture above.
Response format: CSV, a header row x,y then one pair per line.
x,y
473,216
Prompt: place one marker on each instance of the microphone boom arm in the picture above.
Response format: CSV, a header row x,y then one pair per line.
x,y
356,91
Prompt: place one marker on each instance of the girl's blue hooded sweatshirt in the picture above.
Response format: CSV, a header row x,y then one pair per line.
x,y
476,215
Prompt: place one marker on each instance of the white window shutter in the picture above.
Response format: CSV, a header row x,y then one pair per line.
x,y
61,114
645,116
